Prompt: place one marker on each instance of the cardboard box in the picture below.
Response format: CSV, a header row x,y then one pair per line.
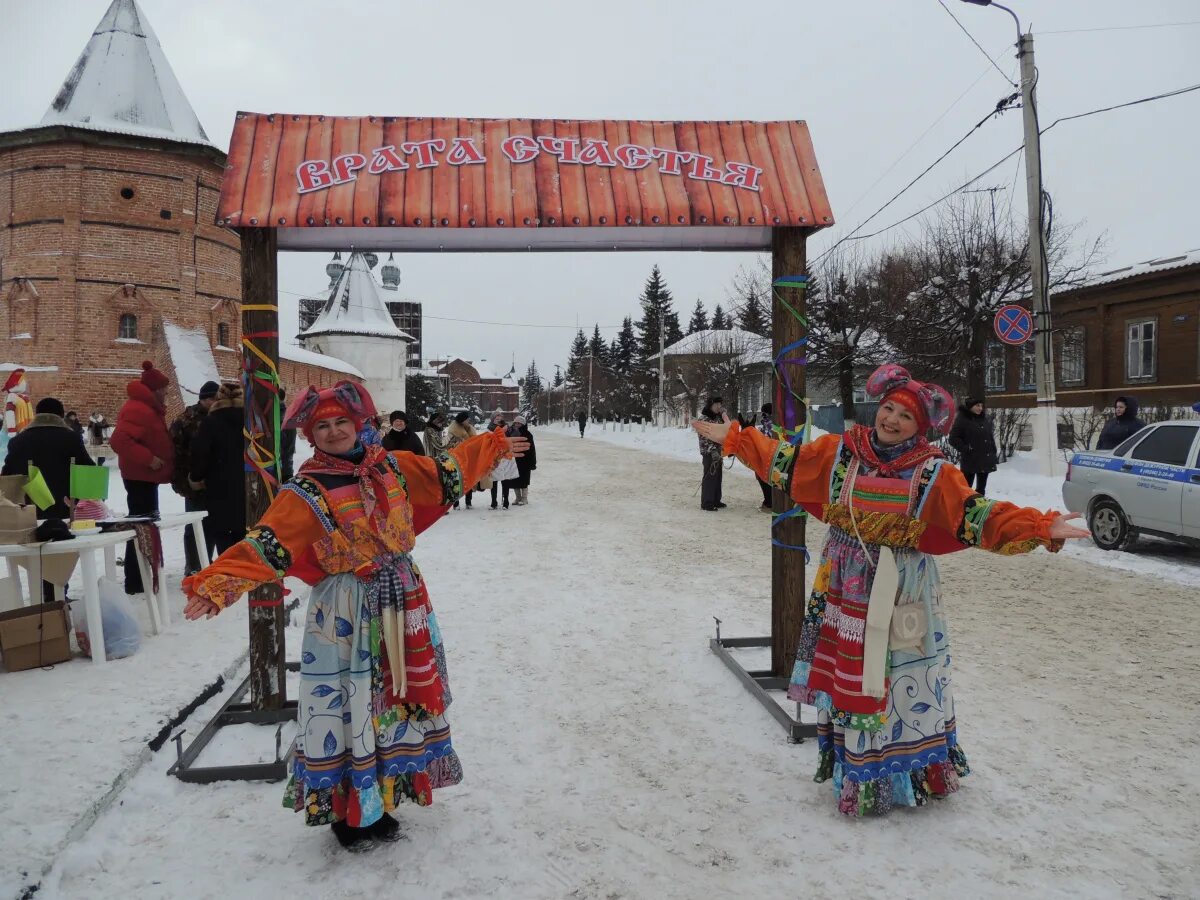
x,y
12,488
35,636
18,524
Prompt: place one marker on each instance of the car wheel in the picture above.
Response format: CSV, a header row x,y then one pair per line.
x,y
1109,526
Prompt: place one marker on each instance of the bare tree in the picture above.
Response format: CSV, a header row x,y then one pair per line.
x,y
969,260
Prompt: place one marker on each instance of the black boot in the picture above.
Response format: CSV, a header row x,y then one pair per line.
x,y
386,829
356,840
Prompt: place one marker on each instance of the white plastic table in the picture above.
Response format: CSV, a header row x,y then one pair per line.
x,y
87,546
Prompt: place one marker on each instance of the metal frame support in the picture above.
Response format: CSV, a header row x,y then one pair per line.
x,y
235,712
759,682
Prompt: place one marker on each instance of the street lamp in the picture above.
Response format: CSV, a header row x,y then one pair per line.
x,y
1045,416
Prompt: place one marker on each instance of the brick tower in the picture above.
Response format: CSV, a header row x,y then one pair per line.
x,y
108,254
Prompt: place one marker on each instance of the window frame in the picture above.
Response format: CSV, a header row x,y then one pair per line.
x,y
1080,346
223,334
1028,357
127,317
1130,324
995,361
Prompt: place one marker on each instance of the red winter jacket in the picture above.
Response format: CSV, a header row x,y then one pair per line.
x,y
140,435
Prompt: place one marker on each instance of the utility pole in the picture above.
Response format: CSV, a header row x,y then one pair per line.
x,y
1045,416
589,413
662,348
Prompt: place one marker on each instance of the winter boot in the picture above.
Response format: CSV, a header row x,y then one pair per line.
x,y
356,840
386,829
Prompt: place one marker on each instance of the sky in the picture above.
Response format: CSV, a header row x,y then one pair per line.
x,y
886,87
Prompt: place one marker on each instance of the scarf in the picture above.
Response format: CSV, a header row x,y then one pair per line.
x,y
366,465
888,462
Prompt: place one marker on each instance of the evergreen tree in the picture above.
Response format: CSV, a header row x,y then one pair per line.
x,y
753,317
579,349
558,379
625,350
596,346
656,303
699,320
719,321
532,387
421,395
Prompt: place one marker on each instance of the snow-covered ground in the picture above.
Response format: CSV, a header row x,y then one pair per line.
x,y
609,754
1016,480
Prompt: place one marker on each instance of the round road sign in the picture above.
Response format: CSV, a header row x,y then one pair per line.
x,y
1013,324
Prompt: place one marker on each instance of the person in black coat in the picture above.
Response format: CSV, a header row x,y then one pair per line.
x,y
401,437
972,436
525,464
287,444
49,443
1123,425
216,466
710,455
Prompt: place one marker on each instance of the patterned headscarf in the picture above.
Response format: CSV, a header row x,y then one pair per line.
x,y
930,404
345,398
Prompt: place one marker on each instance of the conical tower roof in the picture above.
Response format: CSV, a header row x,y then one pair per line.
x,y
122,82
355,306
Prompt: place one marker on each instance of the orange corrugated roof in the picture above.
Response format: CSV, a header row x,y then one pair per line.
x,y
293,171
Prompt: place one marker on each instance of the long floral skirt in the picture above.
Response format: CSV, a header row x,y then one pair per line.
x,y
361,749
909,753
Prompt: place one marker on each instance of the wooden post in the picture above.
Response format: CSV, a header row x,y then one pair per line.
x,y
260,327
787,566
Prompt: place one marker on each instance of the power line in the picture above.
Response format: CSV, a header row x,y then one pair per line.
x,y
1121,27
1093,112
995,65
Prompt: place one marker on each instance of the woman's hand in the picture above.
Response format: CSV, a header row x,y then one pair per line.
x,y
1060,530
517,445
200,608
713,431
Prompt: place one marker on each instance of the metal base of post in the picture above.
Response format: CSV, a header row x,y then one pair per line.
x,y
235,712
760,681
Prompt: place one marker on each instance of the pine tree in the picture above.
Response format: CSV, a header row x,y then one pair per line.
x,y
421,395
656,303
699,320
719,321
532,387
753,318
579,350
625,350
558,378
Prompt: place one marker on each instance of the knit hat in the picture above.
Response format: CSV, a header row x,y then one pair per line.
x,y
152,378
931,405
209,389
519,420
14,378
462,417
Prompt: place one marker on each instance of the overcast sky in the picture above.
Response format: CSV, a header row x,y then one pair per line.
x,y
870,77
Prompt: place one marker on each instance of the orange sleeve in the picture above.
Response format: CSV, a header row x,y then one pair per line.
x,y
288,528
439,480
802,472
994,525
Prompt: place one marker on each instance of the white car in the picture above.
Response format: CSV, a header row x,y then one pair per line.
x,y
1148,485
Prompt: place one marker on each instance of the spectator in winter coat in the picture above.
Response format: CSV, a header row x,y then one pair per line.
x,y
216,466
287,444
48,443
527,463
183,432
435,439
401,437
461,430
766,427
581,418
144,452
1123,425
972,436
505,471
710,455
72,420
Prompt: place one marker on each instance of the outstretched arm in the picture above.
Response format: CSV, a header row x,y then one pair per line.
x,y
442,478
772,460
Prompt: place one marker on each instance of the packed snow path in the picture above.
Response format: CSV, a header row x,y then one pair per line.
x,y
609,754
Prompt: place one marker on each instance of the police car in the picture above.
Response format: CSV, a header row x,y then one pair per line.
x,y
1148,485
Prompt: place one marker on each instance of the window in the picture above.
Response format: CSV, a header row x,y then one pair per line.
x,y
1072,355
1141,339
994,364
1029,365
1124,448
860,396
1167,444
222,334
127,330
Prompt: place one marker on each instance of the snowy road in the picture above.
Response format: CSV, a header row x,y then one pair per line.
x,y
608,754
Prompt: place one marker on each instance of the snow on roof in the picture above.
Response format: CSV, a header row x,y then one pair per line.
x,y
722,341
307,357
123,83
192,358
355,306
1148,267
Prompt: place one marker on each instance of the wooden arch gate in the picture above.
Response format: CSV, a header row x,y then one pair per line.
x,y
384,183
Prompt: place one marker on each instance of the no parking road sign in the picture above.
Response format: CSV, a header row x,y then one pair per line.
x,y
1013,324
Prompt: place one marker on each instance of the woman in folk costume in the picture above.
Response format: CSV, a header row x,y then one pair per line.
x,y
874,655
18,411
373,683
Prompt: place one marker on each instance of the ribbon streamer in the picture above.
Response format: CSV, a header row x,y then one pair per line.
x,y
792,431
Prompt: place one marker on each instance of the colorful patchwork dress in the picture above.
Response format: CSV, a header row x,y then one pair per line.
x,y
373,680
896,744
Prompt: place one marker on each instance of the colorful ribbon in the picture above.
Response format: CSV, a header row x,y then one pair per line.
x,y
258,458
793,431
